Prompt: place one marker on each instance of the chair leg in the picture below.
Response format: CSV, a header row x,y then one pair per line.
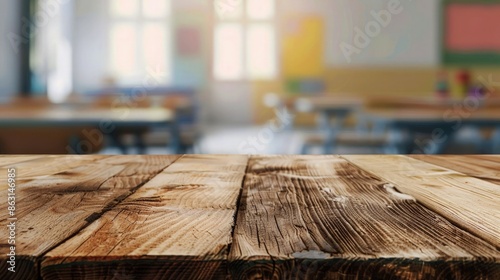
x,y
305,149
139,143
495,140
116,141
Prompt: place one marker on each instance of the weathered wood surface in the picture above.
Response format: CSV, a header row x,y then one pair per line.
x,y
177,226
466,201
5,161
259,217
485,167
48,165
325,218
53,207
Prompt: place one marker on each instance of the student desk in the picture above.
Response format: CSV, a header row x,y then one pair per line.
x,y
252,217
107,121
441,124
328,108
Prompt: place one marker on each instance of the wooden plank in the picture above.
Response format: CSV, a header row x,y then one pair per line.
x,y
486,158
177,226
45,166
6,160
471,203
486,168
321,217
493,158
52,208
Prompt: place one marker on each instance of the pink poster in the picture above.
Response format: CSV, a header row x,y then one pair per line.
x,y
473,27
188,41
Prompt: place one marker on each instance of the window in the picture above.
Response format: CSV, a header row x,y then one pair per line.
x,y
140,39
245,40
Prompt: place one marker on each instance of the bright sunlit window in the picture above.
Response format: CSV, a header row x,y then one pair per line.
x,y
140,40
245,40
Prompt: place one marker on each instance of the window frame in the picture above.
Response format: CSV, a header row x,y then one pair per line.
x,y
139,21
245,22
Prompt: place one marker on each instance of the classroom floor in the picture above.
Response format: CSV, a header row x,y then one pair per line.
x,y
235,140
257,140
249,140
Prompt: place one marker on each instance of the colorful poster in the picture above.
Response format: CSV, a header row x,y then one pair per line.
x,y
473,27
188,41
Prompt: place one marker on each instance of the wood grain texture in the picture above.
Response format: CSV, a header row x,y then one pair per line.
x,y
51,208
177,226
6,160
466,201
321,217
299,217
485,167
48,165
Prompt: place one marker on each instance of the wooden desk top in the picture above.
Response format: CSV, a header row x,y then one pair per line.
x,y
253,217
83,115
382,103
443,115
322,103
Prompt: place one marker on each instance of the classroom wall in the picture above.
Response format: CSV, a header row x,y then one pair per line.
x,y
372,82
406,35
408,41
91,49
410,37
401,60
192,69
9,66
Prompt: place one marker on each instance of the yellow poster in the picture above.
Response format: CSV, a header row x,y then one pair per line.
x,y
303,43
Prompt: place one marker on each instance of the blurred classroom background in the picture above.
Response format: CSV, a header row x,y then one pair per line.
x,y
249,76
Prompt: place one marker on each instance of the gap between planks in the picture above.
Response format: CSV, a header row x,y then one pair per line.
x,y
314,216
202,188
62,164
114,204
236,212
238,204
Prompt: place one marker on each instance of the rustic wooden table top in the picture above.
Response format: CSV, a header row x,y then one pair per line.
x,y
252,217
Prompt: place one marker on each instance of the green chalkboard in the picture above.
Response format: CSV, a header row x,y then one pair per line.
x,y
450,57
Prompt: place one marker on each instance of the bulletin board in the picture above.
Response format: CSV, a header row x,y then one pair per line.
x,y
470,32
